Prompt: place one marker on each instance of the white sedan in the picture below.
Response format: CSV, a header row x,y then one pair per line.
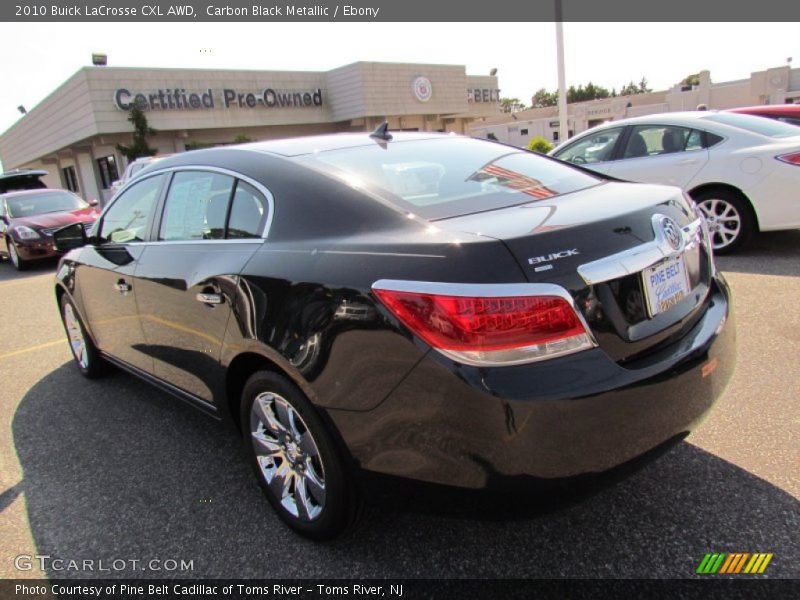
x,y
742,171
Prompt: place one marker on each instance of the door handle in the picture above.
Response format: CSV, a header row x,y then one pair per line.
x,y
122,286
687,161
209,298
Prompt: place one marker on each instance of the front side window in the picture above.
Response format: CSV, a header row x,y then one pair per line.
x,y
196,206
653,140
594,148
127,218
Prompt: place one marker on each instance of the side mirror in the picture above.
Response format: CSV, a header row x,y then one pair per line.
x,y
69,237
93,202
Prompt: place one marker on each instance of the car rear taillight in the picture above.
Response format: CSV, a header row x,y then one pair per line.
x,y
488,324
793,158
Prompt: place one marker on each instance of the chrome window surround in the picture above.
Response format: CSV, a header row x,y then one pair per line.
x,y
638,258
494,358
260,187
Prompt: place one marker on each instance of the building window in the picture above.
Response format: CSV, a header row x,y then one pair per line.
x,y
523,132
555,136
108,171
70,178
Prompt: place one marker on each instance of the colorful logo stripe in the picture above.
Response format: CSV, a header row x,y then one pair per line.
x,y
734,563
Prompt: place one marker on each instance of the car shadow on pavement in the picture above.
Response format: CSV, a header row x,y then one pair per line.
x,y
115,469
9,273
771,253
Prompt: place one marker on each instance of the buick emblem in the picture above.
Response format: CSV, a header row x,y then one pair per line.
x,y
672,233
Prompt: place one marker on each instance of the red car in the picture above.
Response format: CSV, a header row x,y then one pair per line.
x,y
28,219
788,113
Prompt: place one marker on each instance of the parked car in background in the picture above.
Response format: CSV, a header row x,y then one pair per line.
x,y
788,113
742,171
29,218
427,306
22,179
134,168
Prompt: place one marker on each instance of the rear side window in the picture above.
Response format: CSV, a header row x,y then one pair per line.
x,y
249,212
712,139
196,205
127,219
450,176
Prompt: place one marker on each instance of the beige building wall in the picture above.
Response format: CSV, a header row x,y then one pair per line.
x,y
772,86
80,122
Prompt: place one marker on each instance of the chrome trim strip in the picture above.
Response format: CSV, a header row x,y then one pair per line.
x,y
640,257
259,186
493,290
258,240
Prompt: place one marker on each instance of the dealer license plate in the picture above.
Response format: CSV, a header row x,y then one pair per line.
x,y
665,284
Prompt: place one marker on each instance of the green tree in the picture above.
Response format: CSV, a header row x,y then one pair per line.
x,y
241,139
511,105
631,88
693,79
588,92
544,98
540,145
141,130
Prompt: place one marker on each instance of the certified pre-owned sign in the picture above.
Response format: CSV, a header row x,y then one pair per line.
x,y
182,99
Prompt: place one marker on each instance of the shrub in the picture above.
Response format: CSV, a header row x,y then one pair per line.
x,y
540,145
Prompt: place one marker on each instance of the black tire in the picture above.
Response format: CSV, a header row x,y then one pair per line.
x,y
89,363
19,263
720,206
341,505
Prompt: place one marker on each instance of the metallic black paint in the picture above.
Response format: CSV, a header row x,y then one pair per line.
x,y
301,303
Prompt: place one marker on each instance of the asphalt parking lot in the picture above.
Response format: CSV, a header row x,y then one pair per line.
x,y
115,469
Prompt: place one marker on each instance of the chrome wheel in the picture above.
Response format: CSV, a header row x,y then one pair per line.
x,y
724,221
12,254
76,340
287,456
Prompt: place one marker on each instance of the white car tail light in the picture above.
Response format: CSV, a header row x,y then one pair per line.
x,y
489,324
792,158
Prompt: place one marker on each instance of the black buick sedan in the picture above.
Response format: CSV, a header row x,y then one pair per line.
x,y
426,306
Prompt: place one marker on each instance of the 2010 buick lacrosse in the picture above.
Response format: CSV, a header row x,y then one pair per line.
x,y
426,306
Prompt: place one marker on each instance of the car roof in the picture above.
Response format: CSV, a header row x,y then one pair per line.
x,y
769,109
670,118
23,173
334,141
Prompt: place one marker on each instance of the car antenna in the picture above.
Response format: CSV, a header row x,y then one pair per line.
x,y
382,132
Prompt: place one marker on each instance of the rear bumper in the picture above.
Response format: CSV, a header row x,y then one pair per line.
x,y
580,414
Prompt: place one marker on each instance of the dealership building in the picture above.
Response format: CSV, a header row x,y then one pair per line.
x,y
73,133
772,86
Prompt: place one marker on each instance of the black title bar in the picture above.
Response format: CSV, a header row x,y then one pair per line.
x,y
404,10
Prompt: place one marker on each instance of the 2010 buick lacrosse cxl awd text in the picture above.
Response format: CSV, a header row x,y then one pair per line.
x,y
427,306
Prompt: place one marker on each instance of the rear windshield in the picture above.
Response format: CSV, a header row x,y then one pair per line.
x,y
451,176
37,204
760,125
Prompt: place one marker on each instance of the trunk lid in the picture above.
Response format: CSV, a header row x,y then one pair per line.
x,y
596,243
